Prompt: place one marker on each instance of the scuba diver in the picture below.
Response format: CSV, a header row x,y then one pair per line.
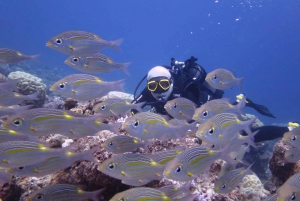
x,y
187,79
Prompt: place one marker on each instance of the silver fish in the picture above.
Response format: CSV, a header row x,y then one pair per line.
x,y
230,180
123,143
222,128
44,121
132,169
292,137
8,98
223,79
290,190
192,162
22,153
148,125
53,164
85,87
63,192
163,157
217,106
9,56
96,63
116,106
181,108
141,193
81,43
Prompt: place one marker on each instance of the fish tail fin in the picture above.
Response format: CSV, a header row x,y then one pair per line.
x,y
95,194
239,82
119,85
116,44
115,127
247,125
241,105
251,140
139,106
33,96
35,57
89,154
124,66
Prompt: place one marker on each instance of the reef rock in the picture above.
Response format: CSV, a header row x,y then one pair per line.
x,y
280,169
30,84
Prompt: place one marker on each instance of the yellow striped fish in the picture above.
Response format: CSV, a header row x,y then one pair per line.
x,y
222,128
96,63
62,192
85,87
80,43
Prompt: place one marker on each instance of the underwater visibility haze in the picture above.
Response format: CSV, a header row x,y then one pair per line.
x,y
255,39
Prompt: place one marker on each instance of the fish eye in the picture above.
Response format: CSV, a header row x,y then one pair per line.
x,y
234,159
62,85
111,144
112,166
214,77
17,122
178,169
103,107
75,59
293,197
21,168
123,199
58,41
175,106
39,196
224,186
135,123
205,113
294,138
211,131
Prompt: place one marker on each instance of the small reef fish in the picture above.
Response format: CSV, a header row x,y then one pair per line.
x,y
132,169
96,63
292,155
53,164
223,79
163,157
230,180
9,56
222,128
141,193
149,125
292,137
81,43
13,110
181,108
43,121
173,191
9,85
117,106
5,136
85,87
122,143
8,98
290,190
217,106
63,192
15,154
192,162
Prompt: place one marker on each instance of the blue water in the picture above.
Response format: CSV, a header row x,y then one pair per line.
x,y
257,39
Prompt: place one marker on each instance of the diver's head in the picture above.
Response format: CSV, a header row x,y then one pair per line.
x,y
159,82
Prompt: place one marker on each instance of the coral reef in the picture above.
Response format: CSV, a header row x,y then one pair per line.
x,y
54,102
280,169
30,84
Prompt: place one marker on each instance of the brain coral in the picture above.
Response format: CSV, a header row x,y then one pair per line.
x,y
30,84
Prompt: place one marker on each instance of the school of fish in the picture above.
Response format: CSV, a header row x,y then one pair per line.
x,y
217,124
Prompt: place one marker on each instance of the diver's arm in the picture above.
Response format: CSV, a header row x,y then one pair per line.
x,y
145,96
267,133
